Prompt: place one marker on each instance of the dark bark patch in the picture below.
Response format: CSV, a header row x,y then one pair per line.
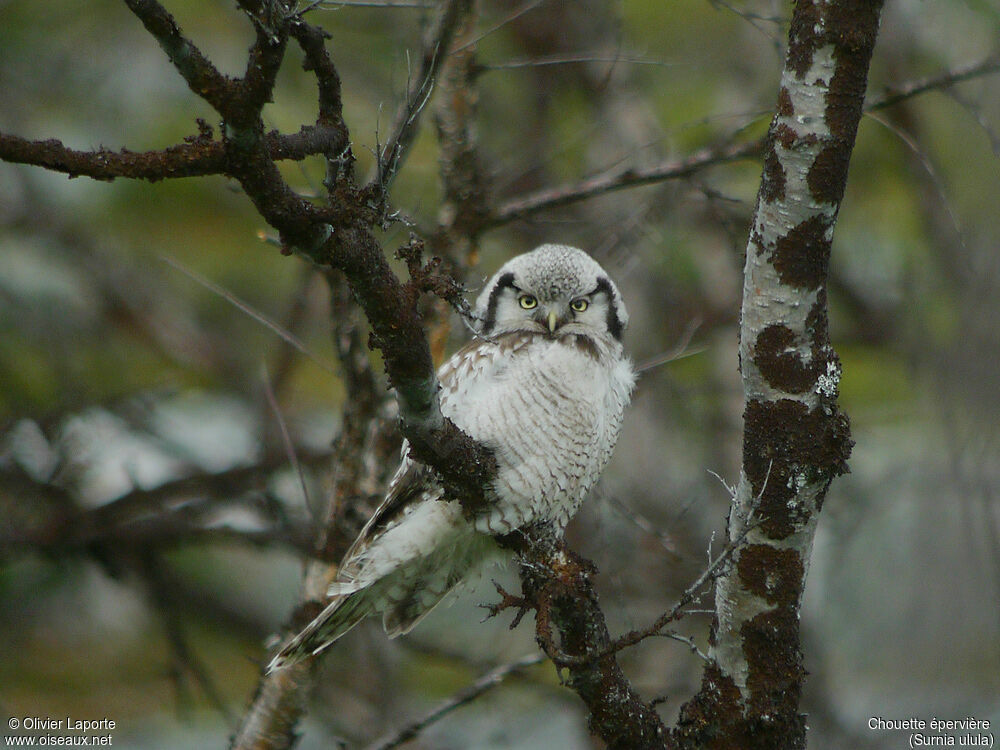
x,y
714,717
785,446
774,681
772,573
779,364
802,40
827,176
757,240
772,185
802,257
784,135
856,23
790,139
785,106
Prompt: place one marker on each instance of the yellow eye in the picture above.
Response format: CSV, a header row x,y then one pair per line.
x,y
528,302
580,304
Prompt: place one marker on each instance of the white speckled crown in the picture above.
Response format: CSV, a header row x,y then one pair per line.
x,y
552,271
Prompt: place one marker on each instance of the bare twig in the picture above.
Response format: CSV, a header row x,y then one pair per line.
x,y
509,18
286,438
524,206
619,179
568,59
642,523
463,697
688,641
897,94
678,351
172,513
711,572
404,126
160,588
285,335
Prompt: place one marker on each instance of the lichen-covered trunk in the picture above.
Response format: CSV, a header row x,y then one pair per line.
x,y
796,440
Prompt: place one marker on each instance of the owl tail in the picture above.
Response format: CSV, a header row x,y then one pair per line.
x,y
401,574
351,604
345,610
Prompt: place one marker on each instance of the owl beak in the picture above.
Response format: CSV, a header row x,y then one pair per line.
x,y
552,321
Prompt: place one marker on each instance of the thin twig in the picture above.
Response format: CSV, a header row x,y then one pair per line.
x,y
463,697
714,569
568,59
643,524
286,438
285,335
517,13
619,179
404,127
690,642
678,351
633,637
897,94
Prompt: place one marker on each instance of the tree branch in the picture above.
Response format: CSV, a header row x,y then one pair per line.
x,y
199,73
311,40
557,585
463,176
618,179
145,516
896,94
546,199
200,156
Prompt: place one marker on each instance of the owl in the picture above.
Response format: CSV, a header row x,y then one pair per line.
x,y
544,385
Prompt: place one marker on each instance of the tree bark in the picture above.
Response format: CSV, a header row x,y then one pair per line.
x,y
796,440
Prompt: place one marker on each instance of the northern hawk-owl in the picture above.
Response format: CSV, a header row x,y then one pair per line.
x,y
544,385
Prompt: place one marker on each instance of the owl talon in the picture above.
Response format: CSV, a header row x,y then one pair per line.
x,y
507,601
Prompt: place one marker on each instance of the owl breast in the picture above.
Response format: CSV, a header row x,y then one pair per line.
x,y
550,409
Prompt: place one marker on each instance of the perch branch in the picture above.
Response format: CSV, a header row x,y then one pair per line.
x,y
557,584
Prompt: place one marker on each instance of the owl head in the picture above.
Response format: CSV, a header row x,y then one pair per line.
x,y
556,290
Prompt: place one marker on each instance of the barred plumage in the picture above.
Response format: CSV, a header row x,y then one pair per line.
x,y
544,384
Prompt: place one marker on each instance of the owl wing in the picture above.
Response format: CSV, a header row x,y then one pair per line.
x,y
462,376
413,481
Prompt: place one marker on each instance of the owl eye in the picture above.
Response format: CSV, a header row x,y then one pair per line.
x,y
580,304
528,302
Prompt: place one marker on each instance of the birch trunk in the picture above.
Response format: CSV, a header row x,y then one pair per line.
x,y
796,440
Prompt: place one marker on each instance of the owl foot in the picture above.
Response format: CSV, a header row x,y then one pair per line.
x,y
507,601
